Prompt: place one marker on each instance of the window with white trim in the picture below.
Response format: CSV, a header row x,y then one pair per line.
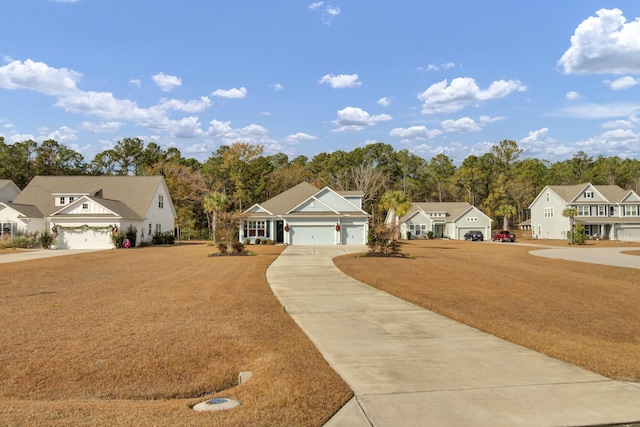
x,y
583,210
257,229
85,206
472,219
62,200
548,196
548,212
150,227
588,194
158,228
631,210
160,201
602,210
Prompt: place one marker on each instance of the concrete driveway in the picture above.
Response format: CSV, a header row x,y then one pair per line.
x,y
30,254
605,256
408,366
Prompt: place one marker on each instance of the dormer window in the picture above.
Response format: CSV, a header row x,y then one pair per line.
x,y
588,194
85,206
62,200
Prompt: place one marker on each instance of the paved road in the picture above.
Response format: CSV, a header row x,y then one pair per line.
x,y
411,367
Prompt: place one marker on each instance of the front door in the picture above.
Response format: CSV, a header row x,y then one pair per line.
x,y
279,231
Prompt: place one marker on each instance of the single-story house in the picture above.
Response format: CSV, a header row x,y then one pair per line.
x,y
605,211
444,219
83,211
307,215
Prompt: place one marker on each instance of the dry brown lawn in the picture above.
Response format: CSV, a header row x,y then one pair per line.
x,y
582,313
136,337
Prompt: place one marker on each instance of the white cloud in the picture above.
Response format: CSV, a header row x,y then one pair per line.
x,y
63,135
539,144
166,83
419,133
276,86
352,119
193,106
463,125
340,81
623,83
234,93
39,77
572,95
254,134
314,6
327,13
300,136
601,111
188,127
136,82
384,101
102,127
443,98
630,123
605,43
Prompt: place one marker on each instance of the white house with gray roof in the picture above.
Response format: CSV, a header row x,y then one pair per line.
x,y
307,215
605,211
444,219
83,211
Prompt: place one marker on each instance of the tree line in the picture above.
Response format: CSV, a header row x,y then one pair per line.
x,y
498,182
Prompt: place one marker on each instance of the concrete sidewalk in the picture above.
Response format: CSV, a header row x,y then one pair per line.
x,y
408,366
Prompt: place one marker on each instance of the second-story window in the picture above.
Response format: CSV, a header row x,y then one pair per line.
x,y
602,210
588,194
62,200
548,212
631,210
583,210
161,201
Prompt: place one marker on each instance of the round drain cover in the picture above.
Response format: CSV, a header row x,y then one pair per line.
x,y
216,404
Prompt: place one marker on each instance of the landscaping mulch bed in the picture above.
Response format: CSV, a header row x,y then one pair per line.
x,y
582,313
138,336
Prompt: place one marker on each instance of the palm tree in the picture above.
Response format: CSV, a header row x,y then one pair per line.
x,y
506,212
570,213
213,204
397,203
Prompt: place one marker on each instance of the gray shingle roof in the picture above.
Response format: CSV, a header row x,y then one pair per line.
x,y
612,193
452,209
28,211
287,200
129,196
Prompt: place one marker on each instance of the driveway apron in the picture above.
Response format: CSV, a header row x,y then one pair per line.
x,y
408,366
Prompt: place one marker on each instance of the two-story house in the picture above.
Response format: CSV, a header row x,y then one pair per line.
x,y
83,211
605,211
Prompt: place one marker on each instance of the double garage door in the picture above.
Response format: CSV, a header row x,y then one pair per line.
x,y
84,239
629,234
326,234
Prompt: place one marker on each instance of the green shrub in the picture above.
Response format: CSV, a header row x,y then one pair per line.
x,y
165,238
117,238
46,239
132,235
257,241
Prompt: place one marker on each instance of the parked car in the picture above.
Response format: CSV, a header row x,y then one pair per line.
x,y
503,236
474,235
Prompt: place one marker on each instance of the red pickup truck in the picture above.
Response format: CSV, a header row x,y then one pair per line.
x,y
503,236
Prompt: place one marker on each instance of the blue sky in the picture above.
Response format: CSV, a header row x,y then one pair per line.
x,y
452,77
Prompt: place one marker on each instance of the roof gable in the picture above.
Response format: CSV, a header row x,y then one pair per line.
x,y
87,206
289,199
448,210
27,211
630,197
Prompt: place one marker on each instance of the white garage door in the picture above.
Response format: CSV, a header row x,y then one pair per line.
x,y
352,234
313,234
85,239
630,234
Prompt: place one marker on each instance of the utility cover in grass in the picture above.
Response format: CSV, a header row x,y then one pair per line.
x,y
216,404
